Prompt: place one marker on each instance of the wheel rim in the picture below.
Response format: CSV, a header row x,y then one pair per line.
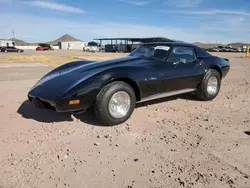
x,y
119,104
212,85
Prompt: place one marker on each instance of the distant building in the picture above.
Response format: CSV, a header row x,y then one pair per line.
x,y
72,45
128,44
4,43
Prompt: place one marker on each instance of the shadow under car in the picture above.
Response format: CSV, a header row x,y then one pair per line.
x,y
29,111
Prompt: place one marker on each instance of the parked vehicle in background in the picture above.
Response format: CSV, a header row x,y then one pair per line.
x,y
102,48
40,48
113,87
234,50
46,46
213,50
221,48
239,49
92,47
244,48
227,49
11,49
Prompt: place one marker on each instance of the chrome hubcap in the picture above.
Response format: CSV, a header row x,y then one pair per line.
x,y
119,104
212,85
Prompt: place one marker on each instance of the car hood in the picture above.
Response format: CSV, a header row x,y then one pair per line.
x,y
56,83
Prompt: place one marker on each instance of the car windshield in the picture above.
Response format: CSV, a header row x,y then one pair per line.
x,y
150,51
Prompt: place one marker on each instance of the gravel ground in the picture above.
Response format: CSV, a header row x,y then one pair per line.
x,y
55,57
172,142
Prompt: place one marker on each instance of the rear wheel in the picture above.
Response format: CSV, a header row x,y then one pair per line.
x,y
210,86
115,103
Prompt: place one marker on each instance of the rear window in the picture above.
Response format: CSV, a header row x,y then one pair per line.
x,y
201,52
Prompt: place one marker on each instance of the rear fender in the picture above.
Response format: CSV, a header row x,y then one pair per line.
x,y
217,68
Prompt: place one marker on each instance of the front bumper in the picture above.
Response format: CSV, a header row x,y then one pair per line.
x,y
59,105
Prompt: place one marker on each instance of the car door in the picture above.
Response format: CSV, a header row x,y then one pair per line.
x,y
9,49
4,49
187,70
14,49
165,71
152,81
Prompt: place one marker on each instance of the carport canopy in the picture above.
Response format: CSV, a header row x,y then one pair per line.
x,y
134,40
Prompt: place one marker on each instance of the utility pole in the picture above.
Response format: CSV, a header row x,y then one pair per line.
x,y
13,37
13,33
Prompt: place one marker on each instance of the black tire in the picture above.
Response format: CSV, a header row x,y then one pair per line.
x,y
202,92
101,106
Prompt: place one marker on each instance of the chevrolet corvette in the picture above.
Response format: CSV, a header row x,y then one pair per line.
x,y
113,87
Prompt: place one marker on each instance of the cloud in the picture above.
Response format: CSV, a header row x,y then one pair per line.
x,y
184,3
87,31
236,25
209,12
5,1
54,6
135,2
232,12
228,25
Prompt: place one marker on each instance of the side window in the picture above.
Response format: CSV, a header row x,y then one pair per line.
x,y
186,54
161,52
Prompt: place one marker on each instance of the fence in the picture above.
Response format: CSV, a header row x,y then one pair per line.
x,y
34,47
27,47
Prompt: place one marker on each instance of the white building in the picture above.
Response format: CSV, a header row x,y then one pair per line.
x,y
4,43
72,45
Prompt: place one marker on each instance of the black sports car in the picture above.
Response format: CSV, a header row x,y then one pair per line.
x,y
113,87
10,49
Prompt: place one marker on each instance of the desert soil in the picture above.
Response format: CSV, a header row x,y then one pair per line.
x,y
172,142
56,57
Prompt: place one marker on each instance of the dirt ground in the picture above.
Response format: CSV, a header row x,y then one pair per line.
x,y
55,57
172,142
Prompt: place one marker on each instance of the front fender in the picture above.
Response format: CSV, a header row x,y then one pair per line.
x,y
68,66
88,88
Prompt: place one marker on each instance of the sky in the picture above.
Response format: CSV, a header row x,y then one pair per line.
x,y
210,21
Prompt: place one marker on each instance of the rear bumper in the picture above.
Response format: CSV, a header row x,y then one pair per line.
x,y
58,106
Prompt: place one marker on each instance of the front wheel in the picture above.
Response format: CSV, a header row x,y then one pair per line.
x,y
209,88
115,103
